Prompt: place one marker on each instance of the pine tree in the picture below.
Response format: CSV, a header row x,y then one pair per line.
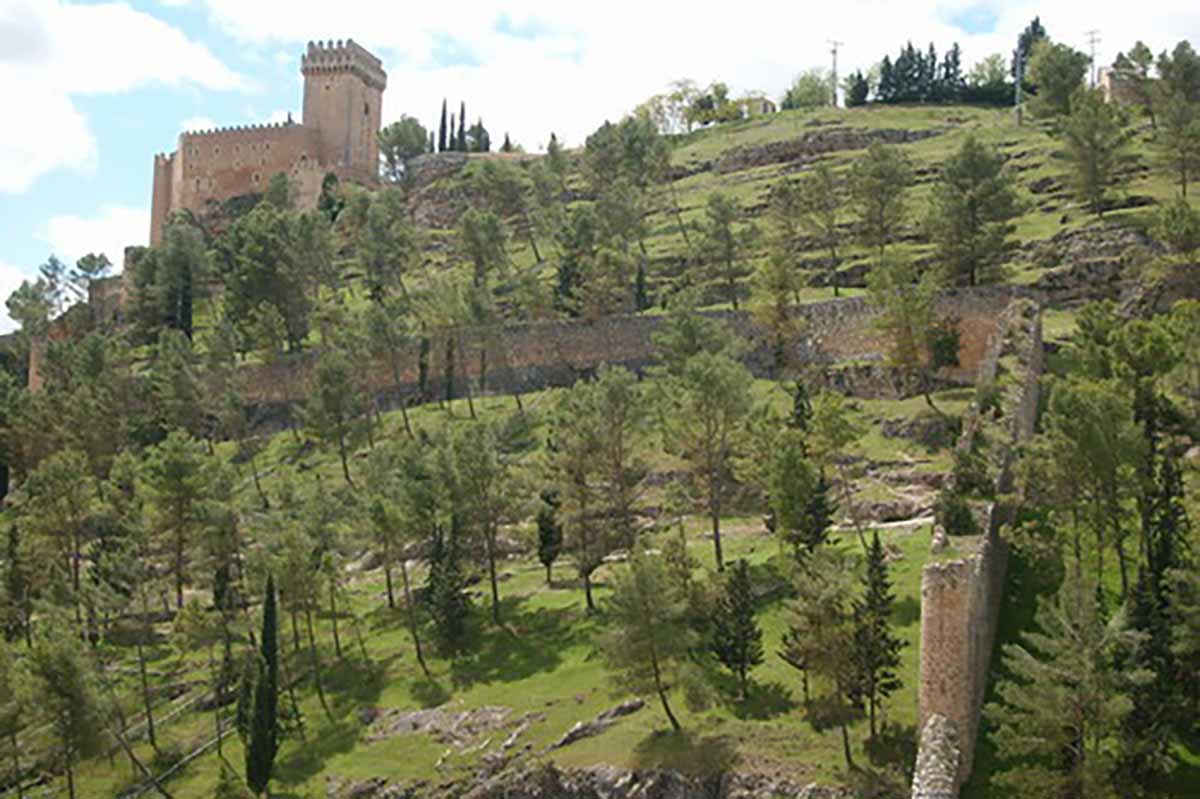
x,y
263,723
442,130
448,605
550,537
736,636
876,648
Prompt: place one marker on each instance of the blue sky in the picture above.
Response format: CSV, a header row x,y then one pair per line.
x,y
96,88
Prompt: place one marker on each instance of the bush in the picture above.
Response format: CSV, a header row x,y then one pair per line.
x,y
953,512
970,475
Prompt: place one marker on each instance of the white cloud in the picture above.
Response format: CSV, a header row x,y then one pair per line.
x,y
52,51
115,226
277,116
10,280
568,66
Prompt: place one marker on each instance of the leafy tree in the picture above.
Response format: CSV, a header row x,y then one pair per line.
x,y
53,274
446,585
167,279
1179,141
334,405
819,639
88,270
736,636
549,529
970,216
1096,140
707,404
257,261
29,307
725,245
858,89
878,182
482,239
1178,226
177,479
809,89
1057,71
1034,32
799,497
65,694
907,318
1179,72
479,140
773,290
398,142
484,474
262,742
61,495
176,386
647,641
1134,71
1061,702
876,649
14,709
387,246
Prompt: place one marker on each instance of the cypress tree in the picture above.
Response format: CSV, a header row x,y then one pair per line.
x,y
876,650
550,537
441,148
449,606
736,636
264,724
452,137
462,128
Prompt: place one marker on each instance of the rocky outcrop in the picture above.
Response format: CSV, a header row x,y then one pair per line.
x,y
813,144
587,729
937,760
1092,263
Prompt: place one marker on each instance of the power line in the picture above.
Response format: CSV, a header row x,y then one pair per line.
x,y
835,45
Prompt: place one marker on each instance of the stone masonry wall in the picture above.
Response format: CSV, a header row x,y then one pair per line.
x,y
961,599
535,355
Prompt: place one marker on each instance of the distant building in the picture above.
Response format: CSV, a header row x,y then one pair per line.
x,y
343,96
1118,86
757,106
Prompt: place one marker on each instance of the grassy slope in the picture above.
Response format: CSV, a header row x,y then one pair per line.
x,y
546,664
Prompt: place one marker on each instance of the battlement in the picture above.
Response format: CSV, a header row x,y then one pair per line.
x,y
192,135
347,56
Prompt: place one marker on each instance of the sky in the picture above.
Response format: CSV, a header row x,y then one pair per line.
x,y
91,91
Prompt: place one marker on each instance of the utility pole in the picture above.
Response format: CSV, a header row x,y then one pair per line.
x,y
1093,39
835,45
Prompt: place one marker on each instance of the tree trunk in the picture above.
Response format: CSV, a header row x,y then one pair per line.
x,y
16,756
549,580
846,748
179,568
412,617
295,632
343,455
316,663
462,356
262,495
150,736
714,506
387,574
70,776
291,688
333,615
490,542
587,592
662,693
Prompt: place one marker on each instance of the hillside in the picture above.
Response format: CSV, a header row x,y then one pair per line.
x,y
507,702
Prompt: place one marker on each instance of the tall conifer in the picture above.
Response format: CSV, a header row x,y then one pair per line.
x,y
737,638
461,144
264,725
441,147
876,649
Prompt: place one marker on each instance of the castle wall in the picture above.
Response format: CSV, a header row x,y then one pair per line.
x,y
961,599
343,99
536,355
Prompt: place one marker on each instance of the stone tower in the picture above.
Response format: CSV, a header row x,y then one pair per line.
x,y
343,95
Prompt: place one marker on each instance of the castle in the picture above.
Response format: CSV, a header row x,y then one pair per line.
x,y
343,96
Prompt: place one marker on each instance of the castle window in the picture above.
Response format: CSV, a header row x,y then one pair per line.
x,y
328,86
197,184
366,109
303,160
217,150
237,148
256,177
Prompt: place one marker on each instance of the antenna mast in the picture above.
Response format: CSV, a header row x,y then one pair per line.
x,y
834,49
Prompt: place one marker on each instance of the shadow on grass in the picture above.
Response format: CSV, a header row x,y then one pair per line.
x,y
354,683
766,701
685,752
429,693
906,611
529,643
896,746
305,759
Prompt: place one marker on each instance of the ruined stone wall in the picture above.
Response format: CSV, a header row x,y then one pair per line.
x,y
535,355
961,599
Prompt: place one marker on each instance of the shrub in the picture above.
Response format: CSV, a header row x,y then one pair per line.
x,y
953,512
